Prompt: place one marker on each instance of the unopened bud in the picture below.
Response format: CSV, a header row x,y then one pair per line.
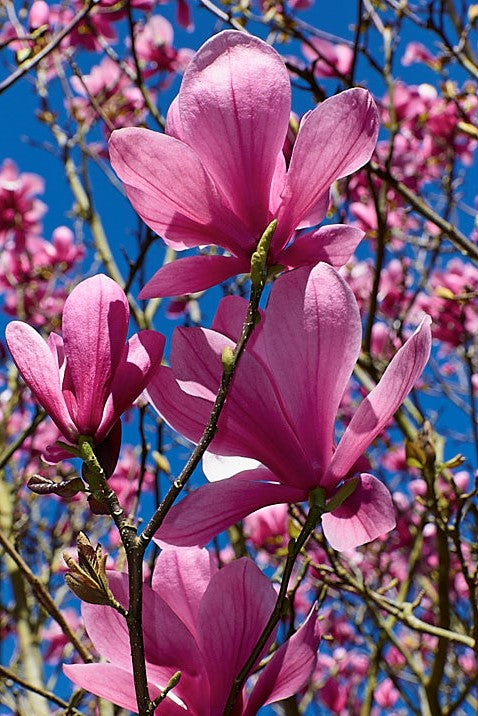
x,y
87,577
41,485
227,359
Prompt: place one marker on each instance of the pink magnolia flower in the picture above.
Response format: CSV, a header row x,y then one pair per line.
x,y
386,695
20,209
268,528
121,101
417,52
281,409
88,378
453,319
218,176
329,59
39,14
154,47
203,622
66,252
125,480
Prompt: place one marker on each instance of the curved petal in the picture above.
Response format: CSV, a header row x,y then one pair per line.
x,y
247,427
213,508
116,684
39,369
95,325
234,105
173,121
187,414
238,602
191,274
53,454
141,358
106,628
333,244
365,515
230,316
289,669
107,451
378,408
181,576
168,643
312,334
170,189
335,139
317,213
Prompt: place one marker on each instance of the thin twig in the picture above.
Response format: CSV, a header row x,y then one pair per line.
x,y
26,67
44,598
8,674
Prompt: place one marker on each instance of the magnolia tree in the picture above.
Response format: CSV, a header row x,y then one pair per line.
x,y
238,429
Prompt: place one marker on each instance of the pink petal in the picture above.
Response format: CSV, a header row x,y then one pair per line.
x,y
378,408
230,316
336,139
187,414
234,105
116,684
229,320
173,121
170,189
95,324
214,507
181,577
39,369
193,273
278,183
107,451
55,344
238,602
312,334
167,641
53,454
290,668
365,515
333,244
106,628
247,426
140,360
317,213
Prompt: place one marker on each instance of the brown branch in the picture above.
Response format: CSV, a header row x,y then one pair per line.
x,y
10,675
460,241
44,598
40,415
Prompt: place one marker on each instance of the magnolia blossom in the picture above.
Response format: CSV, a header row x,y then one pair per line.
x,y
88,378
155,49
121,101
328,59
218,176
281,410
203,622
20,209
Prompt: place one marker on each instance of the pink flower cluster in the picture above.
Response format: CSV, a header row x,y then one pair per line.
x,y
31,268
218,177
428,135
